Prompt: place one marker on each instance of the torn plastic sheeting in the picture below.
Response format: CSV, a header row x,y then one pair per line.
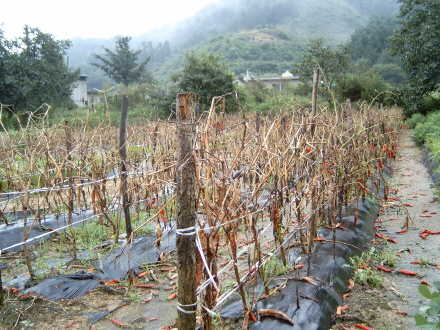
x,y
114,266
133,256
65,287
317,303
95,317
19,282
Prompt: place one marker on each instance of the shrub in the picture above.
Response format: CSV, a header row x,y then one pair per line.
x,y
432,310
415,119
428,130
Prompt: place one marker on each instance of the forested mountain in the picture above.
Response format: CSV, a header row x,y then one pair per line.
x,y
265,37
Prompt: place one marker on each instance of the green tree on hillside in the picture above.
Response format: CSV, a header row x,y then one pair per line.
x,y
334,63
371,41
33,71
122,64
5,90
369,46
206,75
417,41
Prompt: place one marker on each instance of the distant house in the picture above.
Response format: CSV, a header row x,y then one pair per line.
x,y
276,82
79,93
93,96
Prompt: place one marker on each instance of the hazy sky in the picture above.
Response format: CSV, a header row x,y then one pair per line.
x,y
93,18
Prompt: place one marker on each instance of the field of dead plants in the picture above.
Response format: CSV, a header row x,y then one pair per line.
x,y
264,185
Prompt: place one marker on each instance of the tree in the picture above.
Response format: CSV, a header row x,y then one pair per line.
x,y
206,75
122,64
334,63
417,41
5,89
33,71
371,41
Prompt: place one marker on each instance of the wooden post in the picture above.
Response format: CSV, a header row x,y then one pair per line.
x,y
24,199
186,211
123,167
314,99
70,180
257,122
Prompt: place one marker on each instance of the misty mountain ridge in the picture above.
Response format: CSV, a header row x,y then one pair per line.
x,y
262,36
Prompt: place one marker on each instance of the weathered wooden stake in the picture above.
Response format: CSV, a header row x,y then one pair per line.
x,y
70,180
124,174
186,211
24,199
257,122
314,98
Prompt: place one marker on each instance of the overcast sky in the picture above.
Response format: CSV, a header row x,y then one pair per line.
x,y
93,18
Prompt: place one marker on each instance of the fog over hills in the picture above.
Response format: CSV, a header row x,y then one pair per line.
x,y
287,25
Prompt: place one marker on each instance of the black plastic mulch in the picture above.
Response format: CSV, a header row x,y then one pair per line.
x,y
317,303
13,234
432,166
114,266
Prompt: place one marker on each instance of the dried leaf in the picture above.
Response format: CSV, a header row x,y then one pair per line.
x,y
339,310
146,286
167,269
363,327
117,322
275,313
91,270
350,284
307,279
387,270
395,291
172,296
158,236
407,272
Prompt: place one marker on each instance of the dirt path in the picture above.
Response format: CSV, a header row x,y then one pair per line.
x,y
378,307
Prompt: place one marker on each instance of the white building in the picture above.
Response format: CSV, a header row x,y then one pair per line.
x,y
275,82
79,94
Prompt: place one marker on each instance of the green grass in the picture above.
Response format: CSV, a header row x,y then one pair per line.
x,y
96,117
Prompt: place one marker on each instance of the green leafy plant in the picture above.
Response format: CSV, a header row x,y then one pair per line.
x,y
362,266
275,267
431,319
427,130
414,120
134,297
27,324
